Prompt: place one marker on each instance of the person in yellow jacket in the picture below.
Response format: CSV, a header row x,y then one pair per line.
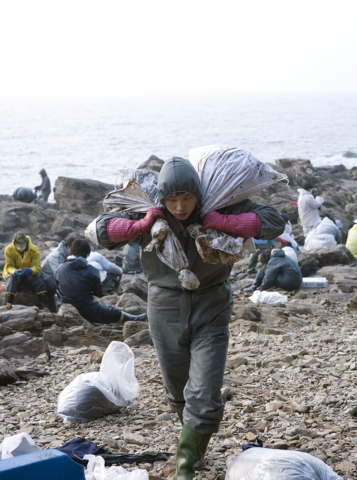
x,y
351,242
22,267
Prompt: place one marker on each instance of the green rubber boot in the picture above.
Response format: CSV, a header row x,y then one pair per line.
x,y
180,417
253,260
190,453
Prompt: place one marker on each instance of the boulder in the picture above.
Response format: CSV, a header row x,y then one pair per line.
x,y
138,286
7,372
32,348
131,328
336,255
140,338
152,163
71,316
19,319
131,303
81,196
54,336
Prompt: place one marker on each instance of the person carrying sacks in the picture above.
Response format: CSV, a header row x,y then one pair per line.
x,y
189,328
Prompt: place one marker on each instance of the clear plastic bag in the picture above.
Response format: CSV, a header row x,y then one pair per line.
x,y
268,297
96,394
96,471
273,464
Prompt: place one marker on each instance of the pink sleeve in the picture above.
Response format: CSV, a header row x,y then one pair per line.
x,y
122,229
243,225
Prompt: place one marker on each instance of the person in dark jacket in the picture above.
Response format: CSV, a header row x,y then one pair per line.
x,y
278,270
78,282
24,194
189,328
45,187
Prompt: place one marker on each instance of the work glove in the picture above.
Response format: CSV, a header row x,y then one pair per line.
x,y
150,218
28,271
122,229
243,225
18,273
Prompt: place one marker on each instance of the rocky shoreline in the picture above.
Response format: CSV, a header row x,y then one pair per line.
x,y
291,370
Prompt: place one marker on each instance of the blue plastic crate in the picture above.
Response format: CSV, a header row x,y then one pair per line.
x,y
48,464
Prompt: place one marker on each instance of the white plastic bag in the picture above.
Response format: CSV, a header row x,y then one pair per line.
x,y
18,444
268,297
96,471
230,175
273,464
95,394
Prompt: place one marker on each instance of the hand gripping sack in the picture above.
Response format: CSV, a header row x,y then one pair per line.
x,y
95,394
274,464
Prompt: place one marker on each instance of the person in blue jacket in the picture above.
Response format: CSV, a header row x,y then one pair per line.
x,y
45,187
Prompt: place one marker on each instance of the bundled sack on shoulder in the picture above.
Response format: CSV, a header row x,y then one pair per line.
x,y
274,464
96,394
228,176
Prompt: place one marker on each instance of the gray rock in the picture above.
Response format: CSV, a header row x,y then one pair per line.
x,y
138,286
31,348
131,303
140,338
7,372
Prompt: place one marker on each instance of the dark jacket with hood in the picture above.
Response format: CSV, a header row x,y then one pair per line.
x,y
45,186
77,282
281,272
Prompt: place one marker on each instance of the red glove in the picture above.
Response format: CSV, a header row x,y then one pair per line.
x,y
122,229
260,289
243,225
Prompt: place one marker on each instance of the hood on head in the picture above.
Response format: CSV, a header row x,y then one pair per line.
x,y
76,263
178,175
43,172
276,252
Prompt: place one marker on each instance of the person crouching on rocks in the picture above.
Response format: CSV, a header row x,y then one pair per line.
x,y
278,270
189,328
22,267
77,283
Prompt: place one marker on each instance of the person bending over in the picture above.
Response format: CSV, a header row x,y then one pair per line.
x,y
78,282
278,270
189,328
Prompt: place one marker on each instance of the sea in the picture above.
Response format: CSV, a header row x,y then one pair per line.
x,y
93,138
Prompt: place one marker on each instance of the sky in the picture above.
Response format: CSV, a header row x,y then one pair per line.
x,y
116,48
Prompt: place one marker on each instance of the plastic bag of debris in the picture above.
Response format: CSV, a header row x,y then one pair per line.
x,y
96,471
96,394
274,464
268,297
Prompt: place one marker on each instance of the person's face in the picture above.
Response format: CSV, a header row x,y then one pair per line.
x,y
181,206
21,247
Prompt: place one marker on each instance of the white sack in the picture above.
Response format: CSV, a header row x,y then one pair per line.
x,y
268,297
95,394
96,471
324,240
273,464
230,175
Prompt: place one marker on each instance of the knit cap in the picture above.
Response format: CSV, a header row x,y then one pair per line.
x,y
20,238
